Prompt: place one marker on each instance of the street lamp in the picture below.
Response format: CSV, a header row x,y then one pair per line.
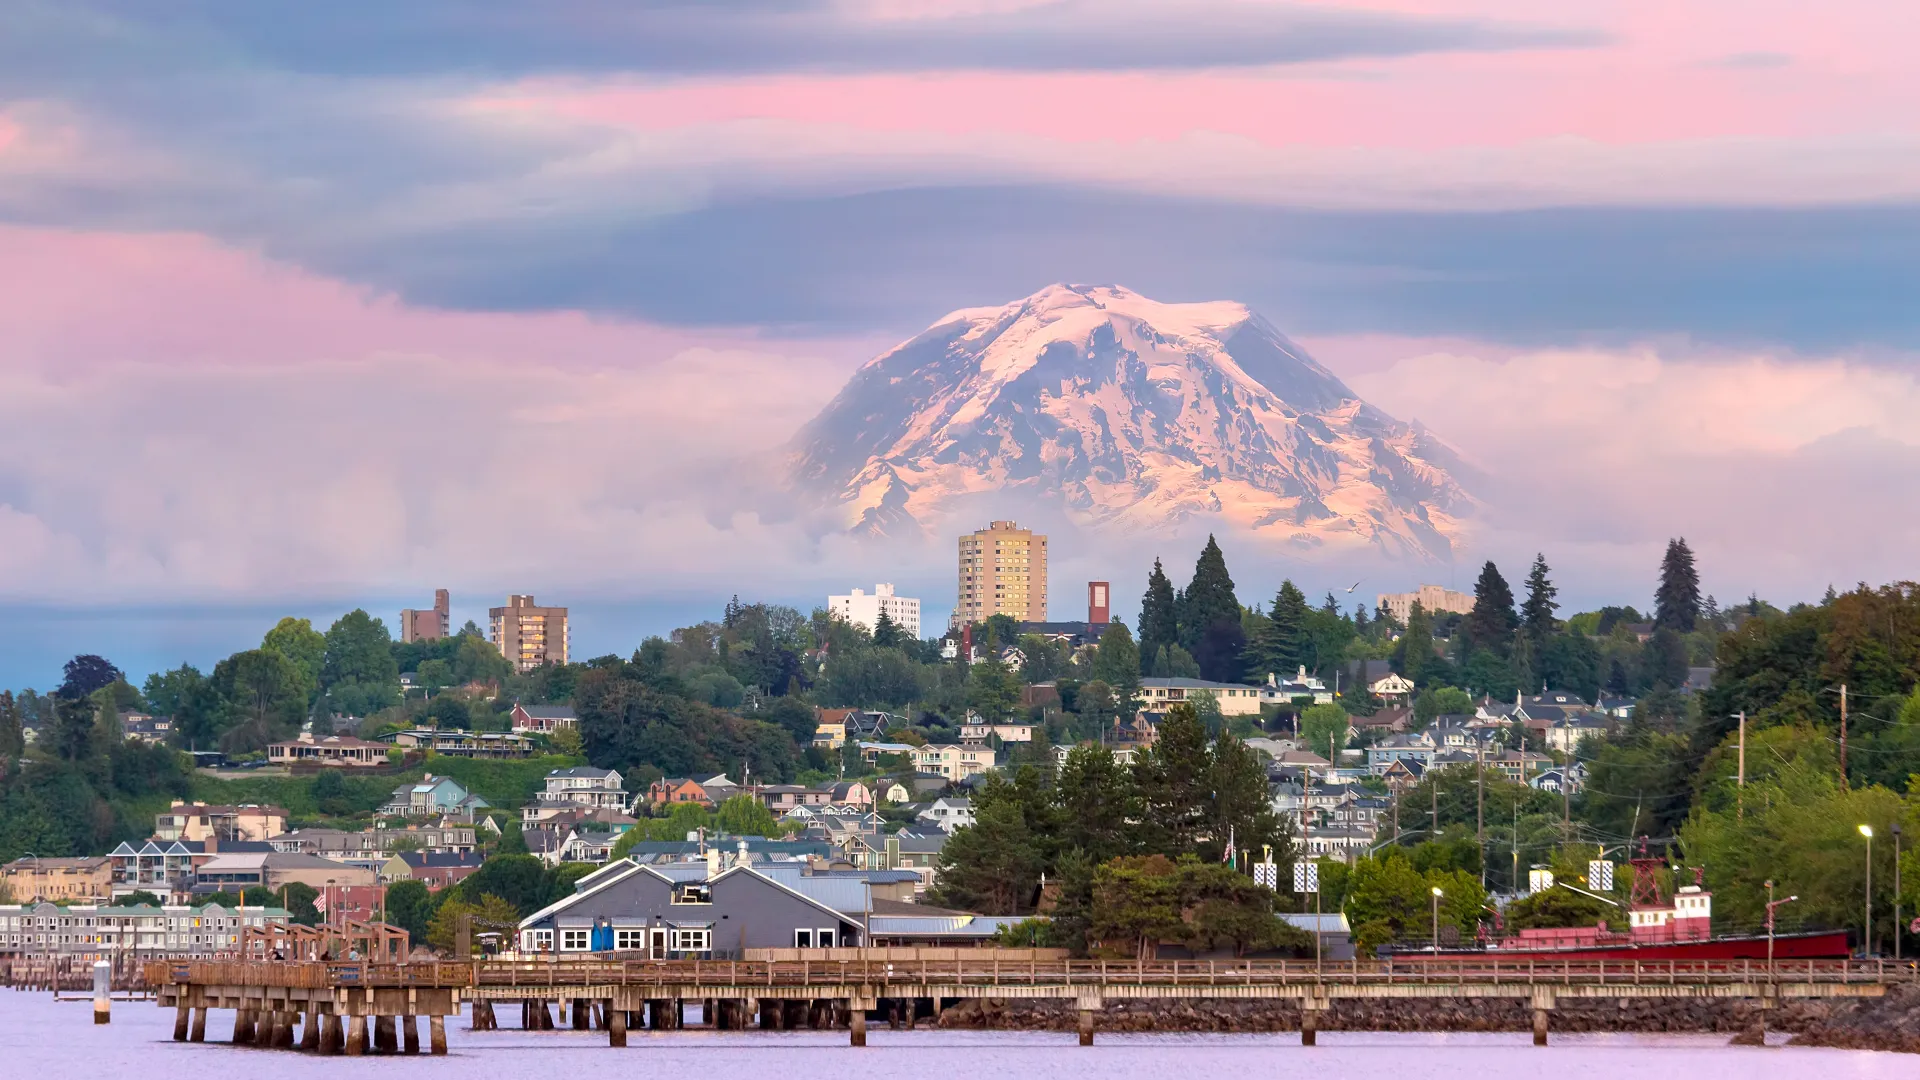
x,y
1771,904
1867,942
1436,918
1896,892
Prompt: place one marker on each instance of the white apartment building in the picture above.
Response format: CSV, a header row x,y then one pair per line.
x,y
1432,599
863,609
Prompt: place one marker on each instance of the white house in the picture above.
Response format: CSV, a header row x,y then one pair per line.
x,y
863,609
949,814
1302,685
1234,699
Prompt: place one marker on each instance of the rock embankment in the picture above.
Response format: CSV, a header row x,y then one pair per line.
x,y
1888,1023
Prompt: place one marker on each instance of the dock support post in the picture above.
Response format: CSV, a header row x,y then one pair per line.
x,y
1309,1025
1542,1005
437,1035
329,1034
410,1033
199,1025
103,999
616,1026
384,1038
181,1018
243,1026
310,1029
581,1016
857,1024
1086,1026
356,1035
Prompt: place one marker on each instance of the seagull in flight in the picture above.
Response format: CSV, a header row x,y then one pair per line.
x,y
1355,585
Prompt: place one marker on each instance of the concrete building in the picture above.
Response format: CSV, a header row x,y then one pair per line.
x,y
428,625
1431,598
1003,571
529,635
1234,699
34,878
863,609
102,932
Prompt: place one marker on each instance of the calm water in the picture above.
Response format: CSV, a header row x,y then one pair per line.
x,y
44,1040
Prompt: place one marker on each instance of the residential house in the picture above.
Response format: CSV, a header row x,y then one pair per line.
x,y
341,751
451,743
850,793
1343,843
32,878
1403,774
675,790
948,814
976,730
142,727
1234,699
953,762
719,789
199,821
542,719
1617,706
1519,765
781,798
1301,688
438,869
234,871
585,785
161,867
1560,779
433,795
698,911
581,846
1393,719
871,752
830,727
1392,689
1566,735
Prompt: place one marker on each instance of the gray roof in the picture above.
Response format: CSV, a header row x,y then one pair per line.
x,y
583,772
550,712
1334,923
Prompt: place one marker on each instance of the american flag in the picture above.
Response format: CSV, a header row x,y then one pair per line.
x,y
1227,856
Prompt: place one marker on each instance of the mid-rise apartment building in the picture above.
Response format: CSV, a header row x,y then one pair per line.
x,y
1431,598
1003,571
103,931
428,625
528,635
863,609
58,878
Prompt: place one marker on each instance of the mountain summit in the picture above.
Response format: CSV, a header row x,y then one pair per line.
x,y
1129,412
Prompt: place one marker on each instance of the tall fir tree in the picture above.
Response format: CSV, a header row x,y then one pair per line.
x,y
1676,606
1491,623
1282,643
1159,618
1116,662
1173,778
1210,617
886,633
1536,615
1413,654
13,739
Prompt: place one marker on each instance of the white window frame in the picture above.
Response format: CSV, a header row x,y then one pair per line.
x,y
537,940
823,938
803,939
576,939
630,939
692,939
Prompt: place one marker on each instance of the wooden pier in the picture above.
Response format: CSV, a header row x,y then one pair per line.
x,y
613,996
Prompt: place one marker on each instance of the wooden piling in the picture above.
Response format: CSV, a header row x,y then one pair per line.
x,y
182,1017
857,1024
437,1034
1309,1024
329,1034
310,1029
1540,1027
385,1039
410,1033
242,1026
356,1035
199,1033
616,1027
1086,1027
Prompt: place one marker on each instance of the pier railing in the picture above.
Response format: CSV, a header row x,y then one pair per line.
x,y
536,974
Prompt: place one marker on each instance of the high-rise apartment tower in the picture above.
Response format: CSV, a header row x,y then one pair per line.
x,y
529,635
427,625
1003,571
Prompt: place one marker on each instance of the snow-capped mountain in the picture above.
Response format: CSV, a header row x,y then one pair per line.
x,y
1132,413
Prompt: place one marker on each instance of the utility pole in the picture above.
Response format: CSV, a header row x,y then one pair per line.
x,y
1843,736
1480,804
1740,782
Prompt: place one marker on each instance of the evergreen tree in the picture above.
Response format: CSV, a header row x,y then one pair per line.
x,y
12,733
1116,661
1676,605
1240,805
1491,623
85,674
1536,615
1172,778
1282,643
1210,619
1617,678
73,723
886,632
1159,619
1361,624
1097,801
1413,654
991,866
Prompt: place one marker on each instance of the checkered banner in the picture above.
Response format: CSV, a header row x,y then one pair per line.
x,y
1306,877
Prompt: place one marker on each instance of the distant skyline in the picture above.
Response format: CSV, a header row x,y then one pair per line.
x,y
316,308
